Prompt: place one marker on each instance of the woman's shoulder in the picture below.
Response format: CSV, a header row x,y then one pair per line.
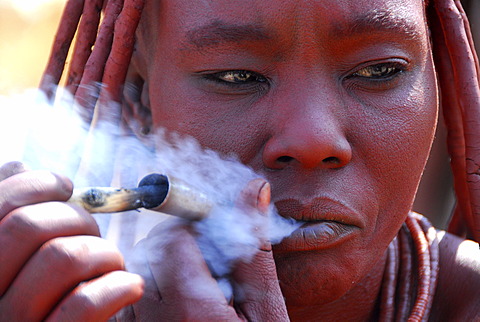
x,y
458,288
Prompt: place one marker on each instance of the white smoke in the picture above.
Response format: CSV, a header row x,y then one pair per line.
x,y
53,137
41,134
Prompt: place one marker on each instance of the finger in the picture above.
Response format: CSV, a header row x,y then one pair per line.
x,y
32,187
100,298
25,229
253,197
257,292
11,168
187,289
148,304
58,267
254,201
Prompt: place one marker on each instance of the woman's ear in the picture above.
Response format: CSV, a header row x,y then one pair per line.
x,y
136,104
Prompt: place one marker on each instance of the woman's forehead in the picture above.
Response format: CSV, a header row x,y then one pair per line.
x,y
339,15
284,23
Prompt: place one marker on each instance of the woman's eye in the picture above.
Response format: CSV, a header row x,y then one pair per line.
x,y
379,71
237,77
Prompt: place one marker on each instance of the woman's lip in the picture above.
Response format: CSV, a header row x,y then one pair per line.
x,y
320,209
317,235
326,223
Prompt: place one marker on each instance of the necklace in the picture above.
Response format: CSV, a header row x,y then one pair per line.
x,y
411,271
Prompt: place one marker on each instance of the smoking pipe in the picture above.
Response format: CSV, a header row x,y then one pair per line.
x,y
155,191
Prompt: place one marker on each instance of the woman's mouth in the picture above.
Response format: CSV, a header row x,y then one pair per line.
x,y
317,235
326,224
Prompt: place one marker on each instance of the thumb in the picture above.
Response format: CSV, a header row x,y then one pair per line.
x,y
258,296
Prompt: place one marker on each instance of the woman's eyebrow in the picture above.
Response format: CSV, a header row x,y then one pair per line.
x,y
378,21
219,32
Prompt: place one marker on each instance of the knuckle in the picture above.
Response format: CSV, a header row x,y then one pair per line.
x,y
77,307
65,254
85,301
82,255
21,224
44,221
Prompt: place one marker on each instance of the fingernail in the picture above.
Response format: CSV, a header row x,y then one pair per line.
x,y
263,198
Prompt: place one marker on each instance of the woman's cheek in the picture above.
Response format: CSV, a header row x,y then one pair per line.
x,y
398,151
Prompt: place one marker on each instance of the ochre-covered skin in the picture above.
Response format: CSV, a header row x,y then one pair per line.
x,y
334,102
332,144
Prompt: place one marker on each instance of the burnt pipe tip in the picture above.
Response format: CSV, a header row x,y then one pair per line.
x,y
155,187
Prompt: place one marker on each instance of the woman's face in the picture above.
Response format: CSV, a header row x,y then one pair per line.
x,y
334,102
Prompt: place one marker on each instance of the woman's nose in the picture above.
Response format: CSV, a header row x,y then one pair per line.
x,y
308,136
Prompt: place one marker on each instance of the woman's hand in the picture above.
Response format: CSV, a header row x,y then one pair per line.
x,y
53,264
181,287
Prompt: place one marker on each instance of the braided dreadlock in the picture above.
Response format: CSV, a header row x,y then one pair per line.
x,y
402,297
461,106
113,42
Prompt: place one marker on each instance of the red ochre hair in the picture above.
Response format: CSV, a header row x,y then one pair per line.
x,y
99,73
458,70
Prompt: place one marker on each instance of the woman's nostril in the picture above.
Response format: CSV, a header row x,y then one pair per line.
x,y
331,160
284,159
